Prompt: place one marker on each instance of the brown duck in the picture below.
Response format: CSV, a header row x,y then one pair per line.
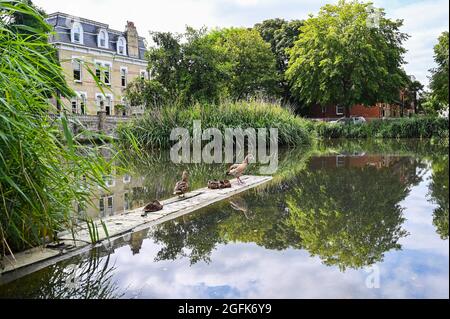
x,y
153,206
237,170
182,186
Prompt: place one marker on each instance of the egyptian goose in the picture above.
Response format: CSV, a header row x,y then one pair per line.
x,y
237,170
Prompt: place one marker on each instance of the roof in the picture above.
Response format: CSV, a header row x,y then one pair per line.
x,y
62,23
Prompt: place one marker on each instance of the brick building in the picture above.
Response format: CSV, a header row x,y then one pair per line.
x,y
380,110
116,57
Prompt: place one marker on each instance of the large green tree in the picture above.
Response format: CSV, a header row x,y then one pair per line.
x,y
439,75
341,58
281,35
247,60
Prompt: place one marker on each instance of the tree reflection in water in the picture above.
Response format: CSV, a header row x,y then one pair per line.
x,y
345,209
88,276
439,193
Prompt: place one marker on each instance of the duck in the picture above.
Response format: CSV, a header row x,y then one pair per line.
x,y
237,170
153,206
215,184
182,186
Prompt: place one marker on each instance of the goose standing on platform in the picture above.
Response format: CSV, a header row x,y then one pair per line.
x,y
237,170
182,186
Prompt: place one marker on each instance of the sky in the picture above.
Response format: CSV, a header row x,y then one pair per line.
x,y
424,20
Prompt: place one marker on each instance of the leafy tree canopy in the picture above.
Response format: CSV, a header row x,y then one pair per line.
x,y
439,75
340,58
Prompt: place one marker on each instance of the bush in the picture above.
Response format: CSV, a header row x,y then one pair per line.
x,y
153,129
417,127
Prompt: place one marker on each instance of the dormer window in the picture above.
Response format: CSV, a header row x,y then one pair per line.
x,y
102,40
121,46
76,33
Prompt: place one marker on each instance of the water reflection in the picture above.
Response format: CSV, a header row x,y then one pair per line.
x,y
439,193
89,276
328,213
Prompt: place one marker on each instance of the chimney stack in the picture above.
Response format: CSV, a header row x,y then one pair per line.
x,y
132,40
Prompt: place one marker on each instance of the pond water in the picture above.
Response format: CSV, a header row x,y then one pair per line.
x,y
344,219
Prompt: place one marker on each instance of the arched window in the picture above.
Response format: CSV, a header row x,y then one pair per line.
x,y
102,39
76,33
121,46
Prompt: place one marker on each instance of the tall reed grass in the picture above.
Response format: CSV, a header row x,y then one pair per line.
x,y
152,131
43,170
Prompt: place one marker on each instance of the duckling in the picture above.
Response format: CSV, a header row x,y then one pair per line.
x,y
225,184
182,186
213,184
237,170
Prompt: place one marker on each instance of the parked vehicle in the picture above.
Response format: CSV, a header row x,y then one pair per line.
x,y
350,120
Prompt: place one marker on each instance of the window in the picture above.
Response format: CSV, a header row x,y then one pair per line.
x,y
121,46
106,206
107,73
126,179
74,106
126,201
83,99
103,67
102,40
340,161
76,33
79,103
77,70
339,110
108,105
123,77
100,101
98,72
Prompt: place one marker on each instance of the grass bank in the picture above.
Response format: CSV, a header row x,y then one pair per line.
x,y
416,127
152,131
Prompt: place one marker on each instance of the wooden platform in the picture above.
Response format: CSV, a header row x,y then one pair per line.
x,y
131,221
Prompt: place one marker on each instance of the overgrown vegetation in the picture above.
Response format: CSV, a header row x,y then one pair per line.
x,y
153,129
43,170
416,127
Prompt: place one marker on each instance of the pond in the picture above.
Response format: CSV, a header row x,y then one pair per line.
x,y
342,219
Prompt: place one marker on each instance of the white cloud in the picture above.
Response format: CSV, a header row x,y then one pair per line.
x,y
424,19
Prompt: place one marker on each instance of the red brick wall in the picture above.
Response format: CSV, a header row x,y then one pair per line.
x,y
318,111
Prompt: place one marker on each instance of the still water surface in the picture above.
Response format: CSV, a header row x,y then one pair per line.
x,y
341,220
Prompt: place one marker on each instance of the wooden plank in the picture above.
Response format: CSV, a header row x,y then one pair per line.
x,y
132,221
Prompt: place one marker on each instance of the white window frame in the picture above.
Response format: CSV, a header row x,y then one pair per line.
x,y
106,38
107,210
143,74
337,110
82,96
124,68
109,66
102,98
119,39
77,60
76,25
103,65
111,106
77,100
126,179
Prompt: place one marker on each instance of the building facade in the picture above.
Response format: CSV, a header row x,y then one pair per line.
x,y
378,111
87,47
